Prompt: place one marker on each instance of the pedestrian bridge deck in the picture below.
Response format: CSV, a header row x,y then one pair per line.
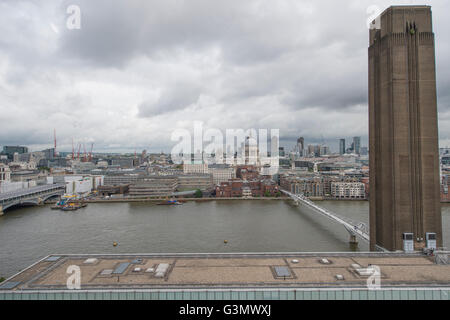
x,y
353,227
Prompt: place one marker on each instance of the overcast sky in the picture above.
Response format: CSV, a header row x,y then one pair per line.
x,y
139,69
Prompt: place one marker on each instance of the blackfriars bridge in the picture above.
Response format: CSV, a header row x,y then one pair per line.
x,y
31,196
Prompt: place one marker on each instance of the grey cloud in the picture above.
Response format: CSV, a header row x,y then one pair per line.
x,y
136,66
176,97
113,32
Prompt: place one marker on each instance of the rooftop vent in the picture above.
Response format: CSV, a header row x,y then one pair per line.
x,y
442,259
91,261
137,261
121,268
52,259
161,270
365,271
106,272
355,266
9,285
282,272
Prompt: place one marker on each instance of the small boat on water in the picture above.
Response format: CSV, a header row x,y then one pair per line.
x,y
69,208
170,203
60,204
68,204
72,206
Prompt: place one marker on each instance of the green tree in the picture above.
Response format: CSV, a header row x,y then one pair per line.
x,y
267,194
2,279
198,193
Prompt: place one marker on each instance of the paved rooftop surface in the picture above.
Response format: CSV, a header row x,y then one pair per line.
x,y
196,271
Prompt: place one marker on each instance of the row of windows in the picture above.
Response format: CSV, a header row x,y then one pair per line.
x,y
387,294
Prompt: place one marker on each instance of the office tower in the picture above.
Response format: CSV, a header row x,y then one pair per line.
x,y
301,145
404,161
314,150
324,150
11,150
364,151
342,146
357,145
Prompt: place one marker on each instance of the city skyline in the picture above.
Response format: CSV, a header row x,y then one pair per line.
x,y
122,95
333,148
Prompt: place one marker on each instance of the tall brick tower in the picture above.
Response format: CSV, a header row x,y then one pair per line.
x,y
403,130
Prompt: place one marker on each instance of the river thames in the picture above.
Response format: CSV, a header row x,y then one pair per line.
x,y
29,234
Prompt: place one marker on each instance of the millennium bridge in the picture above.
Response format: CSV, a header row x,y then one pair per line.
x,y
354,228
31,196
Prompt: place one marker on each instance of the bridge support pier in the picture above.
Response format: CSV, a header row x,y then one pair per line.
x,y
1,211
353,240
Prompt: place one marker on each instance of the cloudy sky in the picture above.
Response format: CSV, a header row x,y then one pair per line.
x,y
137,70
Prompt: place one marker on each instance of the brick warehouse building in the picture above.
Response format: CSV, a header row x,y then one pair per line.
x,y
259,188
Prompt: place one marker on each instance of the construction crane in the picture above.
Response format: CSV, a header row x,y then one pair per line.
x,y
73,151
79,149
90,152
322,140
85,153
54,137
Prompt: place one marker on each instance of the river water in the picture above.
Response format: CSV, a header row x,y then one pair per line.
x,y
29,234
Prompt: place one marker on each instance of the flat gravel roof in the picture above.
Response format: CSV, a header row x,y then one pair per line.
x,y
195,271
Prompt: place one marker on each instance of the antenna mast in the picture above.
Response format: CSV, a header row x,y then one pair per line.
x,y
54,136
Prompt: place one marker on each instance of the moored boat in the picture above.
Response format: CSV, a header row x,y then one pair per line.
x,y
69,205
170,203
